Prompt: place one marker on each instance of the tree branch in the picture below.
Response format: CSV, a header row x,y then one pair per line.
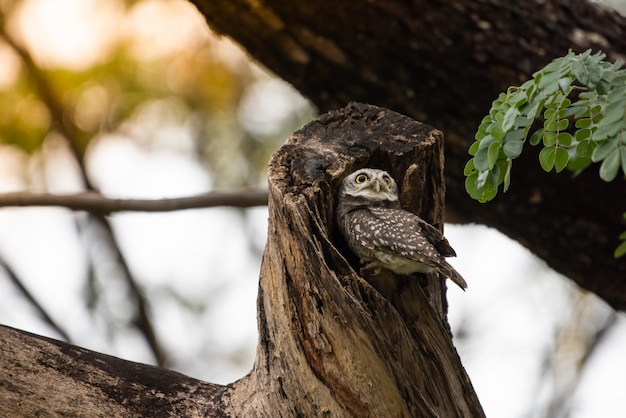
x,y
33,301
96,203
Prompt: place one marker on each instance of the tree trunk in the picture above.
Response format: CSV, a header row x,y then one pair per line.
x,y
443,62
330,342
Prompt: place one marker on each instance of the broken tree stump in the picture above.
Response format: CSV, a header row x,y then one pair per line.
x,y
331,343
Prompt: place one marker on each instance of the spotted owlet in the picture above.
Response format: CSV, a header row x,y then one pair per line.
x,y
383,235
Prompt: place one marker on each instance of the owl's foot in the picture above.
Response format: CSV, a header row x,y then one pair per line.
x,y
370,265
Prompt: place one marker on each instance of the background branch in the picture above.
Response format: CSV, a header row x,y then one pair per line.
x,y
96,203
74,136
12,275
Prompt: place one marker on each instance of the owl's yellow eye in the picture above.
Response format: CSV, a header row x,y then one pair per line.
x,y
387,180
361,178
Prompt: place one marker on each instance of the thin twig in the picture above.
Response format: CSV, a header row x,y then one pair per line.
x,y
61,121
33,301
98,204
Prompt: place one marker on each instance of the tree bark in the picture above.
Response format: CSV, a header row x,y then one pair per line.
x,y
41,377
330,342
443,63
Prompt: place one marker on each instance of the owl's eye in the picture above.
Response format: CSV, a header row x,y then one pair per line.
x,y
361,178
387,180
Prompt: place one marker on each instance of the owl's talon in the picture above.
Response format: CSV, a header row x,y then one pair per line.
x,y
370,264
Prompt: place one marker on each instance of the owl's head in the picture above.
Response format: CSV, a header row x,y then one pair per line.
x,y
370,184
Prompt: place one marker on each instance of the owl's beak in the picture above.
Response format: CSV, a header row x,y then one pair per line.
x,y
376,185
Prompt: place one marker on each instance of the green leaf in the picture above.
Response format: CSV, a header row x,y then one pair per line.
x,y
470,186
494,176
564,139
561,157
535,138
492,154
614,112
620,250
610,166
555,125
513,149
484,128
605,131
582,111
522,122
549,139
603,86
562,124
622,153
603,150
518,98
486,141
534,108
583,123
549,82
580,72
509,118
585,148
481,180
515,135
583,135
469,168
564,103
481,160
568,112
578,164
473,149
498,132
547,157
564,84
507,176
480,190
488,193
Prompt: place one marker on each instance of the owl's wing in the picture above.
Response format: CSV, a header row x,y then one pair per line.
x,y
401,232
436,238
360,223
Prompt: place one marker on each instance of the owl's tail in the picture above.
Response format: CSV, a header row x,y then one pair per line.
x,y
454,275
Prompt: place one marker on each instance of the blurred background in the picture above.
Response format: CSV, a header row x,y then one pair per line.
x,y
138,99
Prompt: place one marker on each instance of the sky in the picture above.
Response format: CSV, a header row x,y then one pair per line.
x,y
506,324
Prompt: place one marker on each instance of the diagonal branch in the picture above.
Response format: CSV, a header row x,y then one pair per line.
x,y
98,204
43,88
33,301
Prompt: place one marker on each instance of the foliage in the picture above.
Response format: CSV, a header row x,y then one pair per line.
x,y
579,89
146,72
200,86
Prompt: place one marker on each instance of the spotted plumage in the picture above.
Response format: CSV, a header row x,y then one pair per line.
x,y
383,235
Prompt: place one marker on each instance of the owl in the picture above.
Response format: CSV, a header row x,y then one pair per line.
x,y
383,235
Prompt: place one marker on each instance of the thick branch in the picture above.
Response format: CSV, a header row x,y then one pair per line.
x,y
46,378
443,63
96,203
